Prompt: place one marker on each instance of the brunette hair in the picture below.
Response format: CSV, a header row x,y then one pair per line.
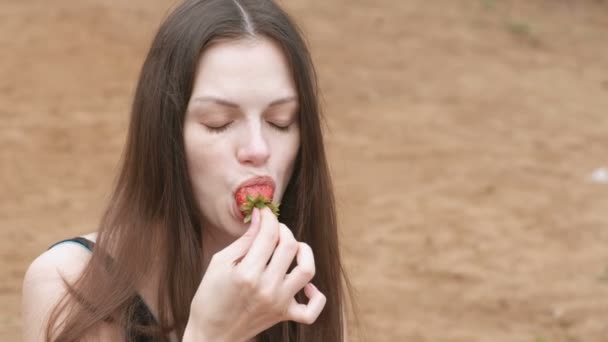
x,y
152,210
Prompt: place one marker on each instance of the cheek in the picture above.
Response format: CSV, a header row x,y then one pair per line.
x,y
205,157
293,148
206,162
286,155
291,153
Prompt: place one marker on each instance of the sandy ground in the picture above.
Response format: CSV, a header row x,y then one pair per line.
x,y
461,135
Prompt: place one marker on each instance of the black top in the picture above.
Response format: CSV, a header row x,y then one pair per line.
x,y
142,314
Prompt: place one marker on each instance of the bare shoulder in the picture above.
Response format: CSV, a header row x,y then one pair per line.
x,y
43,285
67,259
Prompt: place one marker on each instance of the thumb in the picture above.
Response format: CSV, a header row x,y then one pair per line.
x,y
236,250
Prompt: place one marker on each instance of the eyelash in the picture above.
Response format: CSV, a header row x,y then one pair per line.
x,y
218,129
279,128
224,127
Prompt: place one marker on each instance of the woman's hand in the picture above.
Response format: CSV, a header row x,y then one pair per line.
x,y
246,288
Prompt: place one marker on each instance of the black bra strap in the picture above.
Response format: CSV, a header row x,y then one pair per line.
x,y
88,244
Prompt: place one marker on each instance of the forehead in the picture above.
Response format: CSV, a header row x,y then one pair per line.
x,y
248,71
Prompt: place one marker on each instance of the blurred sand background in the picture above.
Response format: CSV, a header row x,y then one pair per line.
x,y
461,135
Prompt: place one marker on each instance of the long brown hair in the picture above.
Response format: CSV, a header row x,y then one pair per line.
x,y
152,211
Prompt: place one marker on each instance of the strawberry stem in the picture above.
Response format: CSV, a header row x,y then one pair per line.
x,y
258,202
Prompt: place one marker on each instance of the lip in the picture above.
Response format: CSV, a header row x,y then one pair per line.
x,y
259,180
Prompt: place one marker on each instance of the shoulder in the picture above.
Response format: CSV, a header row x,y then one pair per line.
x,y
65,260
43,284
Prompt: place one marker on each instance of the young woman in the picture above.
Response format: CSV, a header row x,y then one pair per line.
x,y
226,105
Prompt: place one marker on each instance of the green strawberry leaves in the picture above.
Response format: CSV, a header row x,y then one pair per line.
x,y
257,202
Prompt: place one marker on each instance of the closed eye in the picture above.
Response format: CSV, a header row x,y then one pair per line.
x,y
280,127
218,129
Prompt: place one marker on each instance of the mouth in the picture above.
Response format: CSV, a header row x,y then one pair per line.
x,y
253,187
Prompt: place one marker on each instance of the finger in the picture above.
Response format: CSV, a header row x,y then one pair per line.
x,y
303,272
307,313
236,250
264,243
283,255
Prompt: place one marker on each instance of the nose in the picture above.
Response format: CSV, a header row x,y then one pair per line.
x,y
254,149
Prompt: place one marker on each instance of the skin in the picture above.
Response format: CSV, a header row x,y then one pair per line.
x,y
245,289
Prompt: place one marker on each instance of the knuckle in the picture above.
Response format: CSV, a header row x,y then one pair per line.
x,y
291,245
309,320
288,239
323,299
279,309
307,271
246,280
266,298
306,247
285,230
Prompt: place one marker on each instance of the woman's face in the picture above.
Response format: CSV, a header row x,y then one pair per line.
x,y
241,123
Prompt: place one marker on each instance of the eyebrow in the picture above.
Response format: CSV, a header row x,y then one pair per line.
x,y
228,103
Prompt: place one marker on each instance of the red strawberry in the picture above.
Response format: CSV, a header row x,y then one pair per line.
x,y
255,196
